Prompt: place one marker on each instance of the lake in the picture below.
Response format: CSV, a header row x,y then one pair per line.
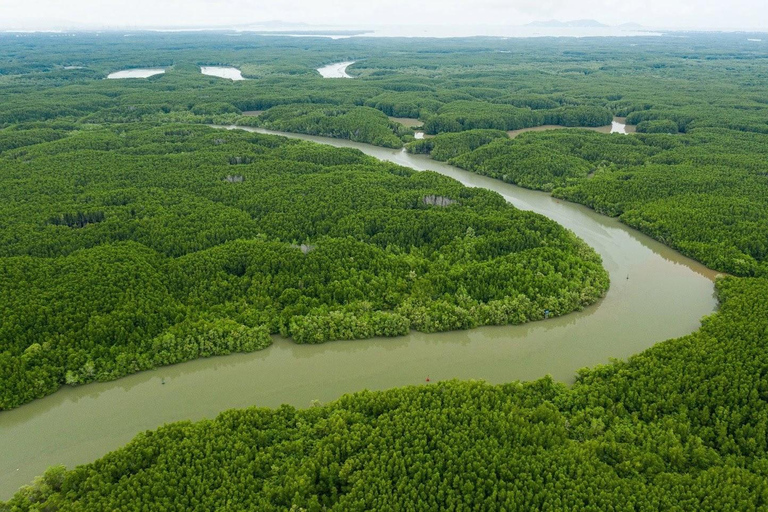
x,y
222,72
136,73
335,70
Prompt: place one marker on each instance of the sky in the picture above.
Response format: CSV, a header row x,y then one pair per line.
x,y
687,14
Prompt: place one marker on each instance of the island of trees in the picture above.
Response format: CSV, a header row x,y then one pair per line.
x,y
130,247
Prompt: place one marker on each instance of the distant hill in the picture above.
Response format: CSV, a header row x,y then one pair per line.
x,y
567,24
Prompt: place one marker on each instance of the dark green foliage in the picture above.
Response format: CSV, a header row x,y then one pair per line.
x,y
704,193
361,124
658,126
682,426
579,116
404,104
98,314
472,115
516,161
77,220
18,136
130,247
535,102
449,145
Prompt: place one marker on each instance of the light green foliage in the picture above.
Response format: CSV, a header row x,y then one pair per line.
x,y
472,115
450,145
657,126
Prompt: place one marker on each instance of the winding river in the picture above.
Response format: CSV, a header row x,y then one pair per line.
x,y
655,294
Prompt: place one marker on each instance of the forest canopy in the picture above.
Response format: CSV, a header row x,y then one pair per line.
x,y
704,193
131,236
698,104
131,247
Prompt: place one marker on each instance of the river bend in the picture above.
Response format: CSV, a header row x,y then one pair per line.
x,y
656,294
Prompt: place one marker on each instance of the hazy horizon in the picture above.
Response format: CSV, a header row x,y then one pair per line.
x,y
348,14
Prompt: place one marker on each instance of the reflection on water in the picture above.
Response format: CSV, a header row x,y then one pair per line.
x,y
136,73
222,72
619,125
655,294
335,70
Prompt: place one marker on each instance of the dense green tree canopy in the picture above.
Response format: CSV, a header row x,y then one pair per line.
x,y
132,237
704,193
130,247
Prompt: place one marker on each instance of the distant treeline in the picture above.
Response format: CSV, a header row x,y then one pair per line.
x,y
662,84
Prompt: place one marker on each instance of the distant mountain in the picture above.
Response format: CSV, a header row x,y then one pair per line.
x,y
567,24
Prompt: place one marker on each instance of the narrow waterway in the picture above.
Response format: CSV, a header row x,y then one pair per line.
x,y
655,294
